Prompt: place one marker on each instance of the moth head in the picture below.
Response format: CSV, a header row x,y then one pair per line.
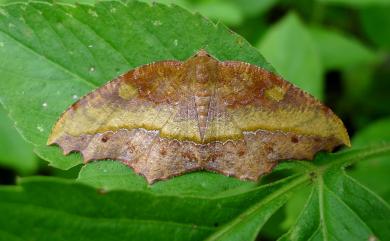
x,y
202,53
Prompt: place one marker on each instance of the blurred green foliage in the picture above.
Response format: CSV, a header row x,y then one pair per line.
x,y
338,50
15,152
289,47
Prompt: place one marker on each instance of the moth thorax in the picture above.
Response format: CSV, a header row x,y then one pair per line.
x,y
202,95
202,73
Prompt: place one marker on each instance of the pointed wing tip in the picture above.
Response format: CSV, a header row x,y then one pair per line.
x,y
51,142
339,130
344,137
347,141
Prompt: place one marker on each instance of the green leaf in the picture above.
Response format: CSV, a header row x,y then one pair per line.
x,y
69,210
290,48
375,21
79,212
358,80
195,184
249,223
15,152
219,11
53,54
374,173
338,211
365,91
355,3
339,208
294,206
110,175
338,51
90,2
377,132
251,8
230,12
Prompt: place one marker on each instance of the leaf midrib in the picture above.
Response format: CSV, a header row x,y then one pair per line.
x,y
320,183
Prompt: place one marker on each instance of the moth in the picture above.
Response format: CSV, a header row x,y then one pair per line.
x,y
168,118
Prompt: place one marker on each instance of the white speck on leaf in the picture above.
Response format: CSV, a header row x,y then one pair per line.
x,y
92,13
75,97
40,128
157,23
44,104
90,46
103,190
372,238
3,12
175,42
92,69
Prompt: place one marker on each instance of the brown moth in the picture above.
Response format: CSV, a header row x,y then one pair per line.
x,y
171,117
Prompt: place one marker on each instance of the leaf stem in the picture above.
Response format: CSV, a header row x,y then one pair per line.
x,y
253,210
321,207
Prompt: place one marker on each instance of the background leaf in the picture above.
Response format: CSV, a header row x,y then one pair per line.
x,y
230,12
15,153
288,46
331,43
337,207
253,7
355,3
336,211
224,11
374,19
378,168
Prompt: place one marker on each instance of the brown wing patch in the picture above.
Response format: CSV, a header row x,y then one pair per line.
x,y
271,103
168,118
